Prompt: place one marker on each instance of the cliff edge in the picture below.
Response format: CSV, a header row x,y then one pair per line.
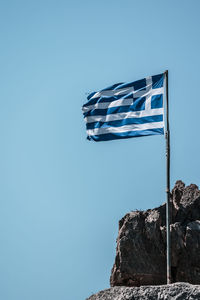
x,y
141,243
139,270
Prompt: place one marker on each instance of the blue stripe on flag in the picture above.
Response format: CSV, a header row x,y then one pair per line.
x,y
130,134
112,87
118,123
137,85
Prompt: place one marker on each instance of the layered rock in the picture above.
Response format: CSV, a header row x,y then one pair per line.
x,y
177,291
141,243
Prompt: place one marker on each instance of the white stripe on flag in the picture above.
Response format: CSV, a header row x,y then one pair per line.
x,y
127,115
148,96
125,128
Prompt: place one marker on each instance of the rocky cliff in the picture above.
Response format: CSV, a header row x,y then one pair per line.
x,y
141,243
177,291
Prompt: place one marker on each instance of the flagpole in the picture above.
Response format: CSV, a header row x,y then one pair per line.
x,y
168,203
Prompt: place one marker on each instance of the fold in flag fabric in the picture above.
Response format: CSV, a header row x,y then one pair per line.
x,y
126,110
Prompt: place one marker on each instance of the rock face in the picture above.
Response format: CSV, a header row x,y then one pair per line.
x,y
176,291
141,243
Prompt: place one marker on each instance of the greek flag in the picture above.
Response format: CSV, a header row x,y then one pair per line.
x,y
126,110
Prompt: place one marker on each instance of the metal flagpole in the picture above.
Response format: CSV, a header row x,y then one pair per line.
x,y
168,203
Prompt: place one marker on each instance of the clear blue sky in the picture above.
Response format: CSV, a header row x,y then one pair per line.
x,y
61,196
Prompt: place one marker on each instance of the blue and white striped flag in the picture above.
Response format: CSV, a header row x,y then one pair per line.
x,y
126,110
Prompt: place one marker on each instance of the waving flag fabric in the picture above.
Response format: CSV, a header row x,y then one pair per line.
x,y
126,110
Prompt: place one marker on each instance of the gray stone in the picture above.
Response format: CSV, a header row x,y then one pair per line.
x,y
176,291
